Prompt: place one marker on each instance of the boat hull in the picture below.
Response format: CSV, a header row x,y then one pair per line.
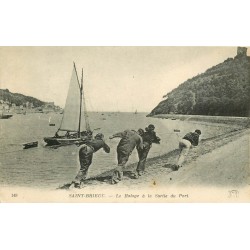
x,y
53,141
5,116
30,145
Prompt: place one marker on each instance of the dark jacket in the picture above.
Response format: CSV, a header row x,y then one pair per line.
x,y
150,137
193,137
97,144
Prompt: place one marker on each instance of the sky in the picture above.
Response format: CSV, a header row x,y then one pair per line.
x,y
115,78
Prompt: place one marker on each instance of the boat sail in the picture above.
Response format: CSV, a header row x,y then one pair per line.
x,y
75,119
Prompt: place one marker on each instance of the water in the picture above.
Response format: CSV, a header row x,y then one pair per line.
x,y
44,167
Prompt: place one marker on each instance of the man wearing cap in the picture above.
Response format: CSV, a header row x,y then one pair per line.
x,y
86,154
190,139
148,137
129,140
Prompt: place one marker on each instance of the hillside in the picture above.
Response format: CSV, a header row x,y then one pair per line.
x,y
19,99
223,90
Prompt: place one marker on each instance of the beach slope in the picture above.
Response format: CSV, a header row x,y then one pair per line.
x,y
221,161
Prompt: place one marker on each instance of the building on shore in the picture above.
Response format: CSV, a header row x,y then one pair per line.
x,y
28,107
48,107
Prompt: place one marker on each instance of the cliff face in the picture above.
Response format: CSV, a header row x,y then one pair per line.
x,y
222,90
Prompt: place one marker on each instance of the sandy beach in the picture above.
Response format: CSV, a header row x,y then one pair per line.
x,y
210,172
220,161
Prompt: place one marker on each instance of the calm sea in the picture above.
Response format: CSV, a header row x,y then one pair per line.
x,y
44,167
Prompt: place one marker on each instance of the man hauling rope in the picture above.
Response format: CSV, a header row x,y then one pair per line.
x,y
86,152
190,139
129,140
149,137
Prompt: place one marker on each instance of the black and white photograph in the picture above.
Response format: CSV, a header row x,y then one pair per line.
x,y
124,124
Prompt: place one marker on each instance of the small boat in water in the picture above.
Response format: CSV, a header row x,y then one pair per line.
x,y
30,145
5,116
50,123
74,124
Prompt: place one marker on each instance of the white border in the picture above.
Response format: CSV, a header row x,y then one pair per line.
x,y
124,226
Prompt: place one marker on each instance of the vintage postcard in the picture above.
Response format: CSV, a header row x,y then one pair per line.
x,y
124,124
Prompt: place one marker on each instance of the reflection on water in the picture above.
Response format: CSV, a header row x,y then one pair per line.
x,y
49,168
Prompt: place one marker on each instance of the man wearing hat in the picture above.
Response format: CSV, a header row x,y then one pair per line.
x,y
148,137
190,139
86,152
129,140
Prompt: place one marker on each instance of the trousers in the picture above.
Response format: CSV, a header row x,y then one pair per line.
x,y
184,146
122,158
143,154
85,158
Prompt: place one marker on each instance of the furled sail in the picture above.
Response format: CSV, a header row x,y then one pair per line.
x,y
70,120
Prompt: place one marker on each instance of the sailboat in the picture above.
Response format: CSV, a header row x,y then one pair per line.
x,y
75,119
51,124
136,112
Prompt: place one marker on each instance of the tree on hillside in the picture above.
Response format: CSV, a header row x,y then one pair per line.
x,y
187,103
223,89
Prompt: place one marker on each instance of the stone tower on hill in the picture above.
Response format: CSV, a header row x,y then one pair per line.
x,y
241,51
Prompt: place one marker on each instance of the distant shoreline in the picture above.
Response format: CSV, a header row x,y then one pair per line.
x,y
229,120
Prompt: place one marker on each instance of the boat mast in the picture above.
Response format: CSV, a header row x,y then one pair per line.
x,y
80,87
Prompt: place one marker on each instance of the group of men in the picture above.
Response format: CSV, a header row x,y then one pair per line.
x,y
130,139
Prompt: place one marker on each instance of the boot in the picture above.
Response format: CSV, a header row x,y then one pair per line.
x,y
114,178
120,175
135,175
